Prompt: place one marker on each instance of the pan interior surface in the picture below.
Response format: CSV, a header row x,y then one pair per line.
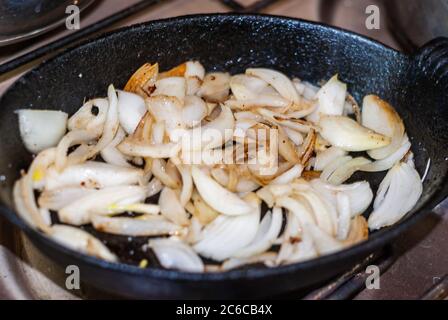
x,y
233,43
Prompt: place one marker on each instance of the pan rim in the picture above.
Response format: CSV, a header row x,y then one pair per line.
x,y
376,239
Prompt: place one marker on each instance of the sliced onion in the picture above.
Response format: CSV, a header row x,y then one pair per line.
x,y
380,116
218,197
360,194
333,166
171,87
143,80
202,211
194,69
324,158
298,209
331,99
194,111
136,227
324,243
41,129
267,258
243,184
131,109
154,150
215,87
58,198
348,135
245,87
86,118
289,175
278,81
268,231
171,208
92,174
345,171
79,240
344,215
100,202
359,231
159,169
226,235
168,110
174,254
294,135
70,139
111,154
397,194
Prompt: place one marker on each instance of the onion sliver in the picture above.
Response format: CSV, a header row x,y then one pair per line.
x,y
348,135
226,235
174,254
171,207
79,240
136,227
131,109
218,197
268,231
41,129
397,194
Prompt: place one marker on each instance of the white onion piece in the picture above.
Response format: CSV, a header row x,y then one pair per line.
x,y
390,161
348,135
289,175
131,109
243,185
295,136
345,171
331,99
187,183
324,243
218,197
278,81
267,258
333,166
245,87
111,154
171,87
194,69
70,139
268,231
303,250
154,187
155,150
86,119
174,254
272,101
327,156
324,212
298,209
171,207
145,226
215,87
58,198
41,129
168,110
344,215
397,194
100,202
92,174
211,135
21,207
81,241
360,194
381,117
159,170
194,111
226,235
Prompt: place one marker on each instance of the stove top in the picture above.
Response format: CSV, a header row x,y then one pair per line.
x,y
413,267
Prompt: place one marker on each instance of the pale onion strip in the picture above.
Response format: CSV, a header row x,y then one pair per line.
x,y
267,258
348,135
168,110
324,243
157,151
187,183
171,87
202,211
301,251
226,235
324,158
294,135
344,215
298,209
171,207
135,227
92,174
85,119
58,198
193,111
243,184
278,80
333,166
112,155
131,109
81,241
21,208
144,208
289,175
268,231
154,187
100,202
70,139
397,194
159,170
215,87
390,161
218,197
261,101
174,254
346,170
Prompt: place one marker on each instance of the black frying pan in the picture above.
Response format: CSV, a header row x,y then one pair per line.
x,y
416,85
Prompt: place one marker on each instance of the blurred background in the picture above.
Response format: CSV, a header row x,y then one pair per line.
x,y
33,30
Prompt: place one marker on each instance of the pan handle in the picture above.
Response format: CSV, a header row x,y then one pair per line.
x,y
432,59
